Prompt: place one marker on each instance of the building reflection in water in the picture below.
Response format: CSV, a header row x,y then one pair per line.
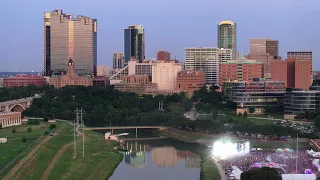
x,y
161,156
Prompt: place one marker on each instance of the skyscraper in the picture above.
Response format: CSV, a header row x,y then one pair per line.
x,y
118,60
207,59
65,38
264,46
134,43
227,36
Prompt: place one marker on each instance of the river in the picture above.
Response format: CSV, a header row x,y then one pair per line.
x,y
157,160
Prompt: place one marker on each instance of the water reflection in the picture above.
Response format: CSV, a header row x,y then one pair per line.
x,y
142,161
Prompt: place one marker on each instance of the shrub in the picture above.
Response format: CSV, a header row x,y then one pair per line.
x,y
24,139
33,121
46,133
52,126
245,114
29,129
14,130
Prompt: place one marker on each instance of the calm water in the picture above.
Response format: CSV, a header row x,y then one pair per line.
x,y
157,160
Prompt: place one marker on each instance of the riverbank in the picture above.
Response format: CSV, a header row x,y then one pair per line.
x,y
55,157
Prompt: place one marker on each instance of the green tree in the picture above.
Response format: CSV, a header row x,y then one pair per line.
x,y
52,126
24,139
251,110
29,129
215,114
245,114
13,130
316,122
188,105
239,114
264,173
0,125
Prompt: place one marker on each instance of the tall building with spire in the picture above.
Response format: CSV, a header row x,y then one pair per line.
x,y
134,45
227,36
67,37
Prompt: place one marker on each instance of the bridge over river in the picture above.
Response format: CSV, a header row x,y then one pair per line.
x,y
112,128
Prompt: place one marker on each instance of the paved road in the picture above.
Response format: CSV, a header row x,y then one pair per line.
x,y
221,171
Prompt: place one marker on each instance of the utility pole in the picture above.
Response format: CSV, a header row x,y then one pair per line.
x,y
82,123
74,130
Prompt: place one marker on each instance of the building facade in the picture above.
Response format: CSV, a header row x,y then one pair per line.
x,y
190,81
165,74
118,60
134,43
264,46
266,61
298,101
227,36
24,80
100,81
103,70
70,79
66,37
240,70
255,94
296,73
300,55
163,56
207,60
8,119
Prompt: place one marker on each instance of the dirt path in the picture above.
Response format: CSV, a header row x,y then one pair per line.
x,y
221,171
25,159
57,156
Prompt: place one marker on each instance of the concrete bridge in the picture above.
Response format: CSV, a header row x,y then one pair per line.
x,y
17,105
112,128
126,127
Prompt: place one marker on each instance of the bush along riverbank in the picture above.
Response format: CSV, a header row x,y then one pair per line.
x,y
209,170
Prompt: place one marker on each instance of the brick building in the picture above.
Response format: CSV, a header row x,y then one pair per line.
x,y
296,73
240,70
70,79
163,55
190,81
10,119
24,80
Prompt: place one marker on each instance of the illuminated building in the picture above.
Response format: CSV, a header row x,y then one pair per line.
x,y
227,36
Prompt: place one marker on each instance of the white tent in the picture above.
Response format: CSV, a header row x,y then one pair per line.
x,y
298,177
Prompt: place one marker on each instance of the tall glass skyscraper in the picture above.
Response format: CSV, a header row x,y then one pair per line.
x,y
227,36
66,37
134,43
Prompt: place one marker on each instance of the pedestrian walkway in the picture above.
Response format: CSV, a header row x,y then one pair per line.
x,y
221,171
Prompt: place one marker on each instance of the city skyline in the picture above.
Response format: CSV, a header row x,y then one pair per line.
x,y
167,35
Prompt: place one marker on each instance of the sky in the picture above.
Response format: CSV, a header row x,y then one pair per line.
x,y
170,25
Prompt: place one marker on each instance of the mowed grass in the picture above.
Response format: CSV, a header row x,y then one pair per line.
x,y
14,146
260,121
36,166
99,161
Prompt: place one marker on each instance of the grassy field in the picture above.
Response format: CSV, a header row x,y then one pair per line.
x,y
55,159
99,161
15,146
279,144
181,135
209,170
261,121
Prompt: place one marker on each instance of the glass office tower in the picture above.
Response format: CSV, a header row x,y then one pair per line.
x,y
227,36
134,43
66,37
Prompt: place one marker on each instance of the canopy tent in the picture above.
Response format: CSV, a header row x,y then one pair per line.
x,y
298,177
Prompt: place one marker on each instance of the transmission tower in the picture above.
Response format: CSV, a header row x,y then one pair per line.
x,y
160,107
79,123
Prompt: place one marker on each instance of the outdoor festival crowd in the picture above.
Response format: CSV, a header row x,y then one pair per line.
x,y
285,162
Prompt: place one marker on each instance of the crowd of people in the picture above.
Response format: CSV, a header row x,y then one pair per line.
x,y
285,162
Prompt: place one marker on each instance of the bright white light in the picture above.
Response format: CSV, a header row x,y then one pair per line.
x,y
225,150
